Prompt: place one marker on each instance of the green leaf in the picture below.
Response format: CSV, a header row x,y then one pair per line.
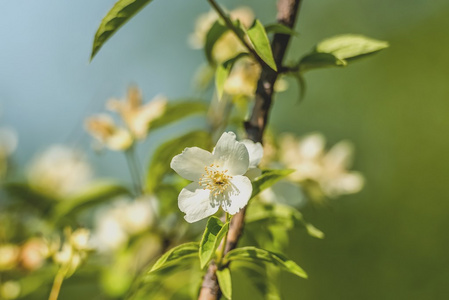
x,y
31,196
176,254
259,39
213,35
120,13
279,214
265,279
320,60
350,46
280,28
178,110
256,255
94,194
222,73
267,179
160,162
224,280
213,234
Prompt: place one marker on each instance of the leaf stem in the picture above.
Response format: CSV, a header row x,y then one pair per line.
x,y
223,244
231,26
134,170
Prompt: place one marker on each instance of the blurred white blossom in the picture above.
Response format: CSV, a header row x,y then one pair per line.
x,y
137,116
59,171
329,169
74,250
115,224
9,254
33,253
10,290
103,128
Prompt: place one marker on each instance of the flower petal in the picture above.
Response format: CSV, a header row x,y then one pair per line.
x,y
255,151
191,162
196,203
238,195
231,155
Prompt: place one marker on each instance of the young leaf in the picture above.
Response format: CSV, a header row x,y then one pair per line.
x,y
259,39
222,73
350,46
213,234
120,13
256,255
224,280
320,60
212,36
181,252
160,162
94,194
178,110
280,28
267,179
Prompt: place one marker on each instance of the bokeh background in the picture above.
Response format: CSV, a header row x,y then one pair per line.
x,y
388,242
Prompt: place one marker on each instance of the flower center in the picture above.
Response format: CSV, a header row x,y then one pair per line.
x,y
215,180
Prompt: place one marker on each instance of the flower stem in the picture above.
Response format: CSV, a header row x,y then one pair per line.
x,y
131,159
57,283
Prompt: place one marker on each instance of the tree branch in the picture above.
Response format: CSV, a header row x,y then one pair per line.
x,y
255,127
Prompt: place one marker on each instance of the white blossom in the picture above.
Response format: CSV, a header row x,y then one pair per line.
x,y
218,178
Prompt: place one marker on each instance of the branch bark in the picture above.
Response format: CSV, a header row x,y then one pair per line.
x,y
287,13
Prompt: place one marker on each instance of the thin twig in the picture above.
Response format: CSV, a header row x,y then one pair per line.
x,y
255,127
231,26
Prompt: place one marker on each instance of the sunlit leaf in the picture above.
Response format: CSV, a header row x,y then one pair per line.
x,y
212,236
178,110
320,60
279,214
160,162
120,13
256,255
94,194
176,254
267,179
224,280
350,46
280,28
261,43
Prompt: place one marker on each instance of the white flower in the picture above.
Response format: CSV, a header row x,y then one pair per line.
x,y
255,151
218,178
328,169
103,128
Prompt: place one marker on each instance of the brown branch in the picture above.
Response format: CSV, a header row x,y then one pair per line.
x,y
255,127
